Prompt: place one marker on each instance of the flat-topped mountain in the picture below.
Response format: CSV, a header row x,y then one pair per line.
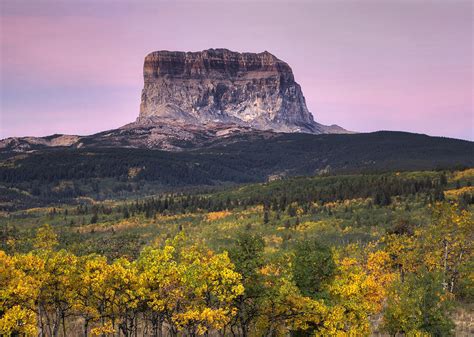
x,y
190,98
219,85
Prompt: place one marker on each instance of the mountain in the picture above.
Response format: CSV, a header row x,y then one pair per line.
x,y
219,85
192,97
157,133
209,118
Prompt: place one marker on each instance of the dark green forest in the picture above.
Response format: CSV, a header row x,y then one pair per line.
x,y
60,174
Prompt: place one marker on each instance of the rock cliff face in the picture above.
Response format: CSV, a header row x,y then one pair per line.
x,y
218,85
191,99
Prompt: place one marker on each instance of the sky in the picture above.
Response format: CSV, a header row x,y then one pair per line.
x,y
75,66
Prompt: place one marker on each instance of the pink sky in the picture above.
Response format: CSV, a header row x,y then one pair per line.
x,y
76,66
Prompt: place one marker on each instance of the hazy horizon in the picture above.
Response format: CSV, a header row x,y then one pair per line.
x,y
75,67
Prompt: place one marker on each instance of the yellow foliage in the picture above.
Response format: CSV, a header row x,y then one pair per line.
x,y
134,171
466,174
456,193
213,216
273,240
46,238
379,278
104,329
195,290
360,289
18,291
18,320
192,286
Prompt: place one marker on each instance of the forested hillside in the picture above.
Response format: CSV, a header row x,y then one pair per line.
x,y
311,256
60,175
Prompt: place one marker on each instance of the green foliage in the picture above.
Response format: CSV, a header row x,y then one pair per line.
x,y
313,266
51,175
419,305
247,255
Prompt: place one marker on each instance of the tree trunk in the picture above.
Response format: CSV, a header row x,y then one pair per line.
x,y
40,322
172,331
56,322
136,326
86,327
63,319
445,283
124,328
244,328
48,323
455,271
158,328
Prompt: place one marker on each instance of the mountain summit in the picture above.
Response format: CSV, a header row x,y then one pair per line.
x,y
192,98
222,86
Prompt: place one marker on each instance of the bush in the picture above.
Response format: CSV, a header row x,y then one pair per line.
x,y
313,266
418,306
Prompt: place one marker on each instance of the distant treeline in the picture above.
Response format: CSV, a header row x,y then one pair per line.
x,y
280,196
